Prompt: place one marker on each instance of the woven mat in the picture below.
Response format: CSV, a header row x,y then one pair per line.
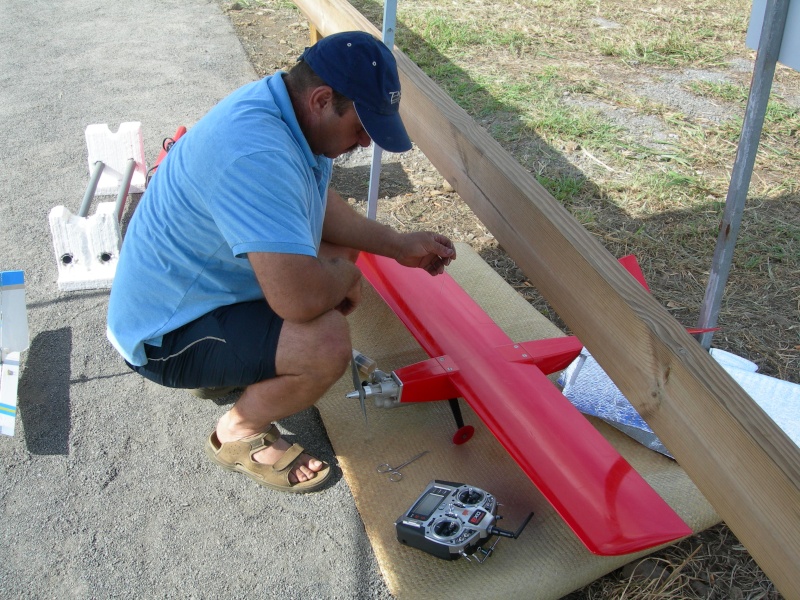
x,y
547,561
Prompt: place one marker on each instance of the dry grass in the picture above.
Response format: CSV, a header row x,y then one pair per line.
x,y
630,115
712,564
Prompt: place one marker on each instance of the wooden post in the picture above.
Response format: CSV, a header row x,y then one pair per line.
x,y
739,458
314,34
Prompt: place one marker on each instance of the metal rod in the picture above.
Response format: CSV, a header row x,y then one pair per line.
x,y
94,179
760,86
374,181
124,188
389,23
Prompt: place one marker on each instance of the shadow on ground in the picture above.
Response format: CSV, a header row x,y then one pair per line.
x,y
43,395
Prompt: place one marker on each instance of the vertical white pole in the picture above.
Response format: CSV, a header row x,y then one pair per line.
x,y
389,22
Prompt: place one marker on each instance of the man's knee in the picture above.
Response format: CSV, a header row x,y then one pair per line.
x,y
335,349
322,347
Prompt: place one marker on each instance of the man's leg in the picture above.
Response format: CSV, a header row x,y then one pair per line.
x,y
310,358
293,365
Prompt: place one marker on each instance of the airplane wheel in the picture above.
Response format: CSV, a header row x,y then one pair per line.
x,y
463,435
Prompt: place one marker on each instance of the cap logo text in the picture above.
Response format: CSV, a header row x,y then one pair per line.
x,y
394,97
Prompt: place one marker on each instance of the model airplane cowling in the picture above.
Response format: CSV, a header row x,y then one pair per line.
x,y
599,495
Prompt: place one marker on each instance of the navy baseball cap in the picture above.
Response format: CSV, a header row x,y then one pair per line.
x,y
363,69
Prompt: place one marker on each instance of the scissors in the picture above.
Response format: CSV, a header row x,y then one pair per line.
x,y
394,472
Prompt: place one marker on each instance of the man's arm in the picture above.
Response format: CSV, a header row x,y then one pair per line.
x,y
300,288
344,226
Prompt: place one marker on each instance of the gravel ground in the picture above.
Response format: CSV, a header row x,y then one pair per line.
x,y
105,490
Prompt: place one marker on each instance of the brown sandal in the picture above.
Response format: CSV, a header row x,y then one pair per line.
x,y
238,456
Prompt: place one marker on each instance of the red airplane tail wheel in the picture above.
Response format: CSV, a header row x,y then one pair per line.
x,y
463,435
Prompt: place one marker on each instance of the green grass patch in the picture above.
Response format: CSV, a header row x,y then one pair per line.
x,y
780,117
665,49
515,65
533,103
565,188
726,91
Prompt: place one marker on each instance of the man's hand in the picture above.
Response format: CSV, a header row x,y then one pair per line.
x,y
425,250
346,228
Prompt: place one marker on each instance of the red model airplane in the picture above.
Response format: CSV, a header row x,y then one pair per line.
x,y
600,496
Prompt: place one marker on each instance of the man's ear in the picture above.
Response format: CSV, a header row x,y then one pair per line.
x,y
319,98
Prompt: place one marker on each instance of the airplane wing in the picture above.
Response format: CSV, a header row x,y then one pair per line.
x,y
598,494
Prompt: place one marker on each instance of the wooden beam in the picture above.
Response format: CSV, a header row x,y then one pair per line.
x,y
314,34
740,459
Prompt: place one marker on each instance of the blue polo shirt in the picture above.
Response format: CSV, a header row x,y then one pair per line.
x,y
243,179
